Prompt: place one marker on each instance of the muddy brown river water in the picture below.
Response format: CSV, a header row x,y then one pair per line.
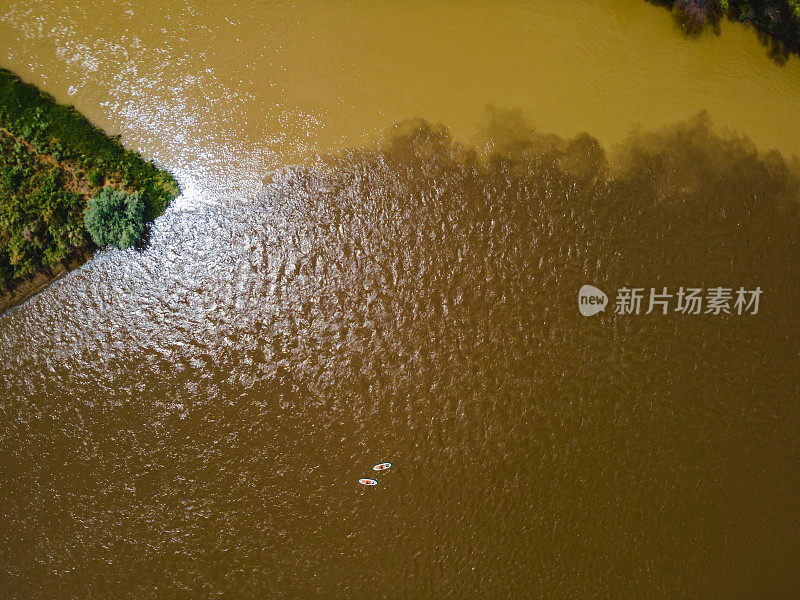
x,y
334,290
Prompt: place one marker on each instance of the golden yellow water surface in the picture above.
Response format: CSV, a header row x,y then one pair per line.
x,y
232,89
190,419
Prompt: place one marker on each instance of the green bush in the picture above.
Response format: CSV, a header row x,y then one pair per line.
x,y
115,218
11,177
40,223
96,178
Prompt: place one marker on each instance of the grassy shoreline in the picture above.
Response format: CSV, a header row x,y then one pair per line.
x,y
53,164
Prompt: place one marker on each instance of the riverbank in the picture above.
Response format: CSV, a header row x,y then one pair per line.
x,y
27,288
53,163
777,19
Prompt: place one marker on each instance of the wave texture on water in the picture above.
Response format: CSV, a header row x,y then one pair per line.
x,y
192,420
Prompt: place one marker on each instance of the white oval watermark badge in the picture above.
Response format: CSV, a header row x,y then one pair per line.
x,y
591,300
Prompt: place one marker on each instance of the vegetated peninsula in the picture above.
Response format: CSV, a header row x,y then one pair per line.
x,y
65,188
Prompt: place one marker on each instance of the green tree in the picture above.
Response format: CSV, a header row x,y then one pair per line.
x,y
115,218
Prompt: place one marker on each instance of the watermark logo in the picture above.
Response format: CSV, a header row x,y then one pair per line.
x,y
591,300
687,301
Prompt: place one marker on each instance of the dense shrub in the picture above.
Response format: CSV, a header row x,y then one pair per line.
x,y
115,218
40,221
96,177
11,177
695,14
